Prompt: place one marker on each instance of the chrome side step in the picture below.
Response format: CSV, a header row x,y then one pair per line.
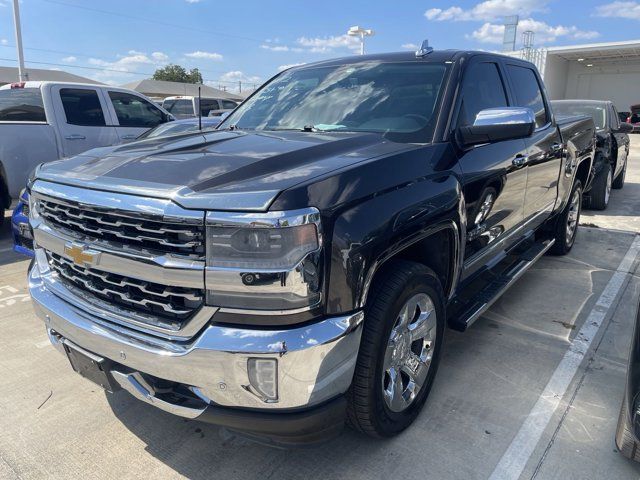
x,y
494,289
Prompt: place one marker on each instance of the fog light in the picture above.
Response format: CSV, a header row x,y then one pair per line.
x,y
263,376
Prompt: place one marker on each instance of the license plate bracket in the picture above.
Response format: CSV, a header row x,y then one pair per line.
x,y
90,366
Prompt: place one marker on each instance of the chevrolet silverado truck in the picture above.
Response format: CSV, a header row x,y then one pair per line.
x,y
295,269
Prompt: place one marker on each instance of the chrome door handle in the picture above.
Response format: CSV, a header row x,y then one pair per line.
x,y
520,161
75,136
557,147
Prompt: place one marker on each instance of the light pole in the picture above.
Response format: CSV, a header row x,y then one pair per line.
x,y
22,74
360,32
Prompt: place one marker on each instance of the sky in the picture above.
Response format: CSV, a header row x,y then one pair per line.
x,y
120,41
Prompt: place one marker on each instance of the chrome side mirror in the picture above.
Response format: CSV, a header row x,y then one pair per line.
x,y
499,124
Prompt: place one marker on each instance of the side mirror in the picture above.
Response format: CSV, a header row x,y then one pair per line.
x,y
625,127
498,124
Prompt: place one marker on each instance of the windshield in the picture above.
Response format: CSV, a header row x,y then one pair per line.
x,y
593,111
371,96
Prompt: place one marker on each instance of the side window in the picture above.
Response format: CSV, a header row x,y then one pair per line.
x,y
82,107
228,105
21,105
207,105
615,118
528,92
482,88
133,111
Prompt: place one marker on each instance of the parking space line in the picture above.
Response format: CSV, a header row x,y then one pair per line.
x,y
515,458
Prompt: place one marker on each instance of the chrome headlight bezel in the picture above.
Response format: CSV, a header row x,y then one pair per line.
x,y
290,284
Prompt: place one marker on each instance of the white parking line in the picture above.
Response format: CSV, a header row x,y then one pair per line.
x,y
515,458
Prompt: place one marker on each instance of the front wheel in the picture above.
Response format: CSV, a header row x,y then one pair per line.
x,y
400,349
566,225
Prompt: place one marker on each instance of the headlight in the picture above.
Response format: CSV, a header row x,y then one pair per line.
x,y
264,262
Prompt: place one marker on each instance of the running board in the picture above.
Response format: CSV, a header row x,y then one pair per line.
x,y
494,289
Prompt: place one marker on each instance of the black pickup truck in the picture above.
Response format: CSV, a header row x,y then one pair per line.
x,y
299,266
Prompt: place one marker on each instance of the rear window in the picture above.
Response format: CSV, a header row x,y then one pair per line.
x,y
593,111
179,107
22,105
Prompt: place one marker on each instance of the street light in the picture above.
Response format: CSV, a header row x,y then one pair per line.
x,y
360,32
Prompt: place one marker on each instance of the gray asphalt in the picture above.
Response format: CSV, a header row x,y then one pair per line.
x,y
54,424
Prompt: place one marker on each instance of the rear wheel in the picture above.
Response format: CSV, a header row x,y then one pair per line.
x,y
400,349
566,225
618,183
601,189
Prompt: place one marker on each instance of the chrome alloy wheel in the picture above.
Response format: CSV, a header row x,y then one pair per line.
x,y
573,217
409,352
607,191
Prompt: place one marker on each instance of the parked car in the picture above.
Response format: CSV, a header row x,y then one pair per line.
x,y
612,146
634,117
45,121
624,117
187,106
183,125
20,228
628,431
392,195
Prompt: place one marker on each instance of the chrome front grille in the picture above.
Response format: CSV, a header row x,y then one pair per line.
x,y
158,235
177,303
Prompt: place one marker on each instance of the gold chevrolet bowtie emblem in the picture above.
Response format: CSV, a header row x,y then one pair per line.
x,y
81,255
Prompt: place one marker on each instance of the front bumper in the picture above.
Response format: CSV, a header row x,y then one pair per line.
x,y
315,361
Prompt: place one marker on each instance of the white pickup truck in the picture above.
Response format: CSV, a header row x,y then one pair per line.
x,y
45,121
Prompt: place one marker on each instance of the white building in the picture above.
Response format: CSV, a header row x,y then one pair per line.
x,y
597,71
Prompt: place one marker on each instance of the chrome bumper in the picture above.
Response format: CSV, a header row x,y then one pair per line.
x,y
315,362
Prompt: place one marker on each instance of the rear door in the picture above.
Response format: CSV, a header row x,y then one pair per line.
x,y
544,147
493,182
82,118
134,114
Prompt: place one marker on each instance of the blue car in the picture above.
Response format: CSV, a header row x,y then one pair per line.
x,y
22,235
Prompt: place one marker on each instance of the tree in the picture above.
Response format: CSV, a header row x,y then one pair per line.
x,y
176,73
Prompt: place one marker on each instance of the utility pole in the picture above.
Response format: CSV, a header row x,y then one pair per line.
x,y
239,86
22,74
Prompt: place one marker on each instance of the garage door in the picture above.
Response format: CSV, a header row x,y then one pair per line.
x,y
621,88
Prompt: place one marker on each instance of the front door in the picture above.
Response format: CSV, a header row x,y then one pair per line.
x,y
493,175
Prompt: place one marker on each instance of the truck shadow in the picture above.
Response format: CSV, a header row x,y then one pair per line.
x,y
198,450
7,255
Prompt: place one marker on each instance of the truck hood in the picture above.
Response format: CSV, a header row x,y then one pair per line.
x,y
219,170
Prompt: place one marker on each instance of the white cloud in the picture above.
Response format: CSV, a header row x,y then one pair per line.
x,y
279,48
4,41
487,10
493,33
410,46
238,76
205,55
69,59
159,56
619,9
328,44
291,65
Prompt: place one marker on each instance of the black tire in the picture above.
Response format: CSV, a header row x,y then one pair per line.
x,y
625,440
367,410
601,189
618,182
563,241
2,212
248,279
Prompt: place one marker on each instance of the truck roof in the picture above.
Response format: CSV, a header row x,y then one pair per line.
x,y
39,84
